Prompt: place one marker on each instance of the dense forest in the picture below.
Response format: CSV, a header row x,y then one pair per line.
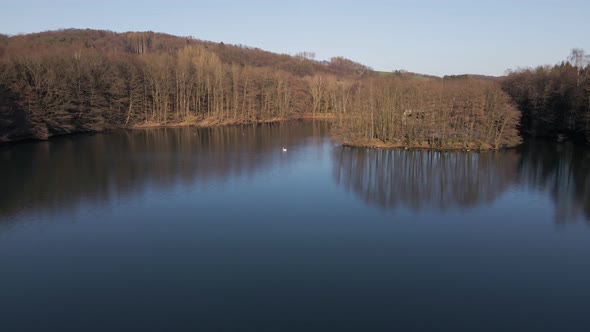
x,y
448,113
554,100
69,81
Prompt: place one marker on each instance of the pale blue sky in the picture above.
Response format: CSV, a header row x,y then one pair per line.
x,y
432,37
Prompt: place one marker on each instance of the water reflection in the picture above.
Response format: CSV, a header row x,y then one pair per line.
x,y
46,178
63,172
428,179
563,171
424,179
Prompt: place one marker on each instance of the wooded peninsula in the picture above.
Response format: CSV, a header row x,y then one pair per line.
x,y
70,81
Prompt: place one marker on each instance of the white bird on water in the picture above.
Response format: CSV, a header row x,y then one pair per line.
x,y
284,149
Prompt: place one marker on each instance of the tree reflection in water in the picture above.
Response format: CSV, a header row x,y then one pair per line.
x,y
563,171
443,180
104,168
424,179
63,172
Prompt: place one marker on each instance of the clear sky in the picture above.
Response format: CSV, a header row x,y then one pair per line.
x,y
429,36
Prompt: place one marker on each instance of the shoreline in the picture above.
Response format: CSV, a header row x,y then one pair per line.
x,y
198,123
215,122
424,146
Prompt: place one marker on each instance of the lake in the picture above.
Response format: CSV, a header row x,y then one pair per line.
x,y
218,229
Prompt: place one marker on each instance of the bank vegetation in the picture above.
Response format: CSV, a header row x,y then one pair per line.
x,y
69,81
554,100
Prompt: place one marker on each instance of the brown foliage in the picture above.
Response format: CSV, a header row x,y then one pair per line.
x,y
61,90
68,81
442,114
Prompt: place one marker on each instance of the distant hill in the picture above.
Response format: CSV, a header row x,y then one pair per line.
x,y
149,42
108,42
473,76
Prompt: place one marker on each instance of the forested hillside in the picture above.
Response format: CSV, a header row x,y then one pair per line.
x,y
554,100
69,81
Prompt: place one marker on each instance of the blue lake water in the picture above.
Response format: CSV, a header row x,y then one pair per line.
x,y
218,229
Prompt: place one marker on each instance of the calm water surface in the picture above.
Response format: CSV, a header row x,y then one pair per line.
x,y
219,230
